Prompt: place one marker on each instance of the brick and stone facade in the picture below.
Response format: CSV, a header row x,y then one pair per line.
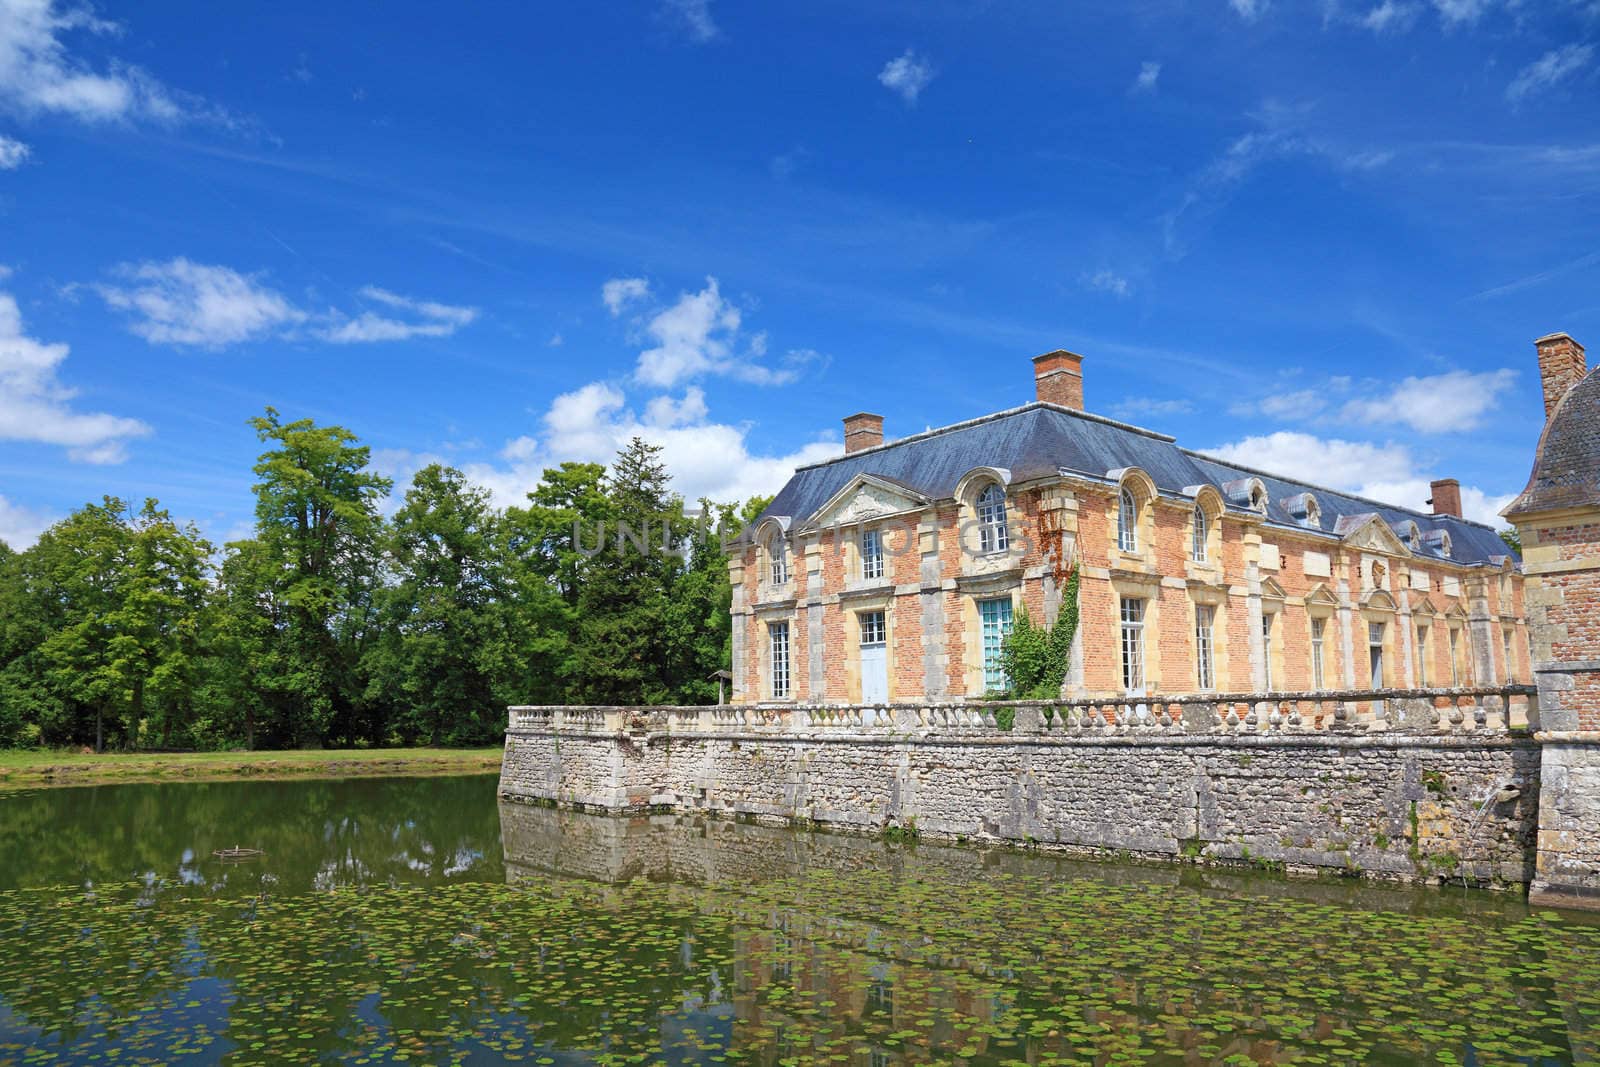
x,y
1558,518
937,542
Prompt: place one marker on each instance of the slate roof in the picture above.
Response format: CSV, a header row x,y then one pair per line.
x,y
1041,440
1566,468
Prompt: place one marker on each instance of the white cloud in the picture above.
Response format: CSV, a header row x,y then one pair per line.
x,y
1108,281
1138,407
907,74
181,302
1387,473
693,17
13,153
1249,10
1440,403
618,293
1453,402
1391,17
20,527
429,319
1454,12
699,335
39,75
35,406
1149,71
591,424
1550,69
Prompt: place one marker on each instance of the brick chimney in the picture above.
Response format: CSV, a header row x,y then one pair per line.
x,y
1561,366
1446,498
862,431
1058,378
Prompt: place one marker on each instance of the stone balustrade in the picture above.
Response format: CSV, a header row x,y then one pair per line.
x,y
1461,710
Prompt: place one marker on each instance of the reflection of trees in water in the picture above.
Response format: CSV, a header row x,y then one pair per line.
x,y
315,834
927,957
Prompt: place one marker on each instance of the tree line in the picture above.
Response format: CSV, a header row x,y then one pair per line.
x,y
334,625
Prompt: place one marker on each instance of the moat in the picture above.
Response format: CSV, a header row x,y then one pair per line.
x,y
424,921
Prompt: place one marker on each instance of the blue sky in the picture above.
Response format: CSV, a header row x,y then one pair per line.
x,y
1320,238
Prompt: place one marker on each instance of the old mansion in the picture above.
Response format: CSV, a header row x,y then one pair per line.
x,y
894,572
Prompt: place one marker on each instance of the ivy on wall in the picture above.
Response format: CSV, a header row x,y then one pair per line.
x,y
1036,658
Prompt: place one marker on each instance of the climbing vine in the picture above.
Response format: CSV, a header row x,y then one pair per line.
x,y
1035,658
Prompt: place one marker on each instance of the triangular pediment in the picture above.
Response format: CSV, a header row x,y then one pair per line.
x,y
863,498
1379,600
1321,594
1422,604
1271,590
1371,533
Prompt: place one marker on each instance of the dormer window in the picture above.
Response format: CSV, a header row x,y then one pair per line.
x,y
1258,499
1127,521
778,553
1410,536
1305,510
1439,541
1201,534
871,554
993,536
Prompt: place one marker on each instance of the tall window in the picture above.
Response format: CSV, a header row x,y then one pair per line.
x,y
1267,619
1422,656
871,554
1132,644
1205,671
874,631
1455,656
995,615
1202,531
1505,643
778,634
1127,521
778,549
1318,629
992,533
1375,653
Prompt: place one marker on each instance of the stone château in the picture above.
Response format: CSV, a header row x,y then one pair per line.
x,y
894,572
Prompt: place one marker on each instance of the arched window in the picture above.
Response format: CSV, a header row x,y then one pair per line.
x,y
992,533
778,553
1258,499
1202,532
1127,521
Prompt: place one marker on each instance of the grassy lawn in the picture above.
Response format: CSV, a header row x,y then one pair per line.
x,y
35,767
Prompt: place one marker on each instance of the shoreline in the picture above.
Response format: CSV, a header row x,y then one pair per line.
x,y
34,769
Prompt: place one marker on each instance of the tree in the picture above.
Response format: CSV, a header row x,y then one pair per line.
x,y
1513,539
1035,658
318,523
446,644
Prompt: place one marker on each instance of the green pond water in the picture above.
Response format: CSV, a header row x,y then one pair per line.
x,y
422,921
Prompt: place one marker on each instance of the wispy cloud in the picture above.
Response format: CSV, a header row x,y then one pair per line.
x,y
39,74
1458,12
693,18
1549,70
180,302
1391,16
1249,10
907,75
1145,80
618,293
13,153
1106,280
35,406
1540,277
1135,408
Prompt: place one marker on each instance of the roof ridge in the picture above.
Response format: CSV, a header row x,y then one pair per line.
x,y
1327,489
980,419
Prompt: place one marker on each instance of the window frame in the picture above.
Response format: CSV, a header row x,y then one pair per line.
x,y
994,533
1319,659
778,560
872,562
1004,621
1200,535
780,675
1127,520
1205,620
1422,654
1131,611
1268,622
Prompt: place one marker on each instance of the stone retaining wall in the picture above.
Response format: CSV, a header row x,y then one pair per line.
x,y
1446,806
